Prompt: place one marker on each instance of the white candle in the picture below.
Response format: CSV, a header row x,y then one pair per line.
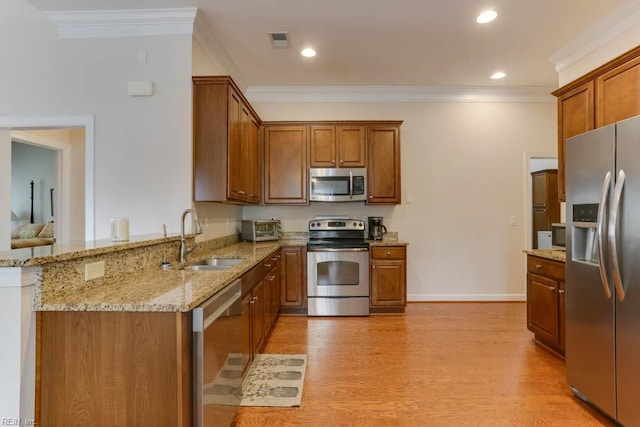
x,y
119,229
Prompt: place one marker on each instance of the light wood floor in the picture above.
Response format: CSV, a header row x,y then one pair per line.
x,y
440,364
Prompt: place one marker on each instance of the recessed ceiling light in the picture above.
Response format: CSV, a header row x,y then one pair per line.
x,y
486,16
499,75
308,52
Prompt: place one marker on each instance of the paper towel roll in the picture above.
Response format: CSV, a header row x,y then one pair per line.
x,y
119,229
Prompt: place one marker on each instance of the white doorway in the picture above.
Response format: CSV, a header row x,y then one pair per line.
x,y
20,128
535,162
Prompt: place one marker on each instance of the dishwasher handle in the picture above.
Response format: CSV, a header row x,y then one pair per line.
x,y
206,313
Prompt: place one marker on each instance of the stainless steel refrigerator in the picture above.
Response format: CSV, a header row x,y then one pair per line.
x,y
603,269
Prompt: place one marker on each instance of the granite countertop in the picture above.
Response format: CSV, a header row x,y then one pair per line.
x,y
57,252
387,242
155,289
553,254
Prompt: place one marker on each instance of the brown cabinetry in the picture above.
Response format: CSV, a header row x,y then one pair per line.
x,y
259,307
603,96
545,204
388,278
286,164
337,146
293,272
227,162
545,301
383,165
114,369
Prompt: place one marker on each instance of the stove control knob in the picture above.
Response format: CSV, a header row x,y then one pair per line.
x,y
355,224
312,224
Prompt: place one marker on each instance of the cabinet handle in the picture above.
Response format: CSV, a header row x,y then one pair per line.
x,y
267,265
538,266
371,197
373,266
388,253
561,291
341,161
551,288
333,161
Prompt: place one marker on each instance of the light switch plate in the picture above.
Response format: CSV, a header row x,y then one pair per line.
x,y
93,270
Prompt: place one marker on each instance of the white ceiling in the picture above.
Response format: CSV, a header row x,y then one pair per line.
x,y
384,43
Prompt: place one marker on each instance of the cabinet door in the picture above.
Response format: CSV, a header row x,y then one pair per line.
x,y
539,189
561,317
257,318
575,116
383,162
542,307
540,221
388,283
293,272
618,93
286,160
236,118
322,146
252,168
351,146
245,314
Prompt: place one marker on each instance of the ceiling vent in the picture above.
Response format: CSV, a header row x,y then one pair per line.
x,y
279,38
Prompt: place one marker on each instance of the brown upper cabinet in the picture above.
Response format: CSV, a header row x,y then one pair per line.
x,y
286,164
337,146
383,164
227,165
603,96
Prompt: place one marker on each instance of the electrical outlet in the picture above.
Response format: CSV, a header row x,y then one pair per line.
x,y
93,270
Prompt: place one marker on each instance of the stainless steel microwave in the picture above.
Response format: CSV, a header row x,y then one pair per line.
x,y
337,184
558,236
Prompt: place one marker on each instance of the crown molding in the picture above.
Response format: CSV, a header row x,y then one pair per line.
x,y
216,52
398,94
604,30
77,24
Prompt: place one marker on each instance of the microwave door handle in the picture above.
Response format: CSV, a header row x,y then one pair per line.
x,y
350,185
613,235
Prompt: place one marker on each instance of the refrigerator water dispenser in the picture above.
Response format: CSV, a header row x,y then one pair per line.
x,y
584,233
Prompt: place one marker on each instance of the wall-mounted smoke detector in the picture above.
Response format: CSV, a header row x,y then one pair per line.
x,y
279,38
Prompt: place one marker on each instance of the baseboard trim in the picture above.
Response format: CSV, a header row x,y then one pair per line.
x,y
465,297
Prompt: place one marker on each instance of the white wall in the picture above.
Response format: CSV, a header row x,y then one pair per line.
x,y
32,163
464,165
142,144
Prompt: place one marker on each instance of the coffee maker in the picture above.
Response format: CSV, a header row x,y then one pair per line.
x,y
375,227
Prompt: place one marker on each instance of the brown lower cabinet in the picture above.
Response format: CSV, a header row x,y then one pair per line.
x,y
388,278
260,289
114,369
293,270
545,301
135,368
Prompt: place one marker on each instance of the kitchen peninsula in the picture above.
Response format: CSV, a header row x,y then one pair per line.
x,y
111,331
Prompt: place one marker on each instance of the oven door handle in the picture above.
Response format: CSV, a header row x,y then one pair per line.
x,y
337,249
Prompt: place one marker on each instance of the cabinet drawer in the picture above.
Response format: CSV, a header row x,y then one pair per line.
x,y
545,267
389,252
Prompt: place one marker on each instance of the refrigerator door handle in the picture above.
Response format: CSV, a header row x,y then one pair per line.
x,y
604,195
613,236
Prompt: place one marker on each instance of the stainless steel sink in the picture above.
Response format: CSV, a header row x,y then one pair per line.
x,y
214,264
198,267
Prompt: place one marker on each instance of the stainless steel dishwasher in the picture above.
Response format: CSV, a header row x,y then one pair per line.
x,y
217,358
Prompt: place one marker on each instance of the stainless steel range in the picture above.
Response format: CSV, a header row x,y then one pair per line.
x,y
337,268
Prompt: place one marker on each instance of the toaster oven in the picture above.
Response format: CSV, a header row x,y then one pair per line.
x,y
260,230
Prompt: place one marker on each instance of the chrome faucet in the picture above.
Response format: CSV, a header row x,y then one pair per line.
x,y
184,250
